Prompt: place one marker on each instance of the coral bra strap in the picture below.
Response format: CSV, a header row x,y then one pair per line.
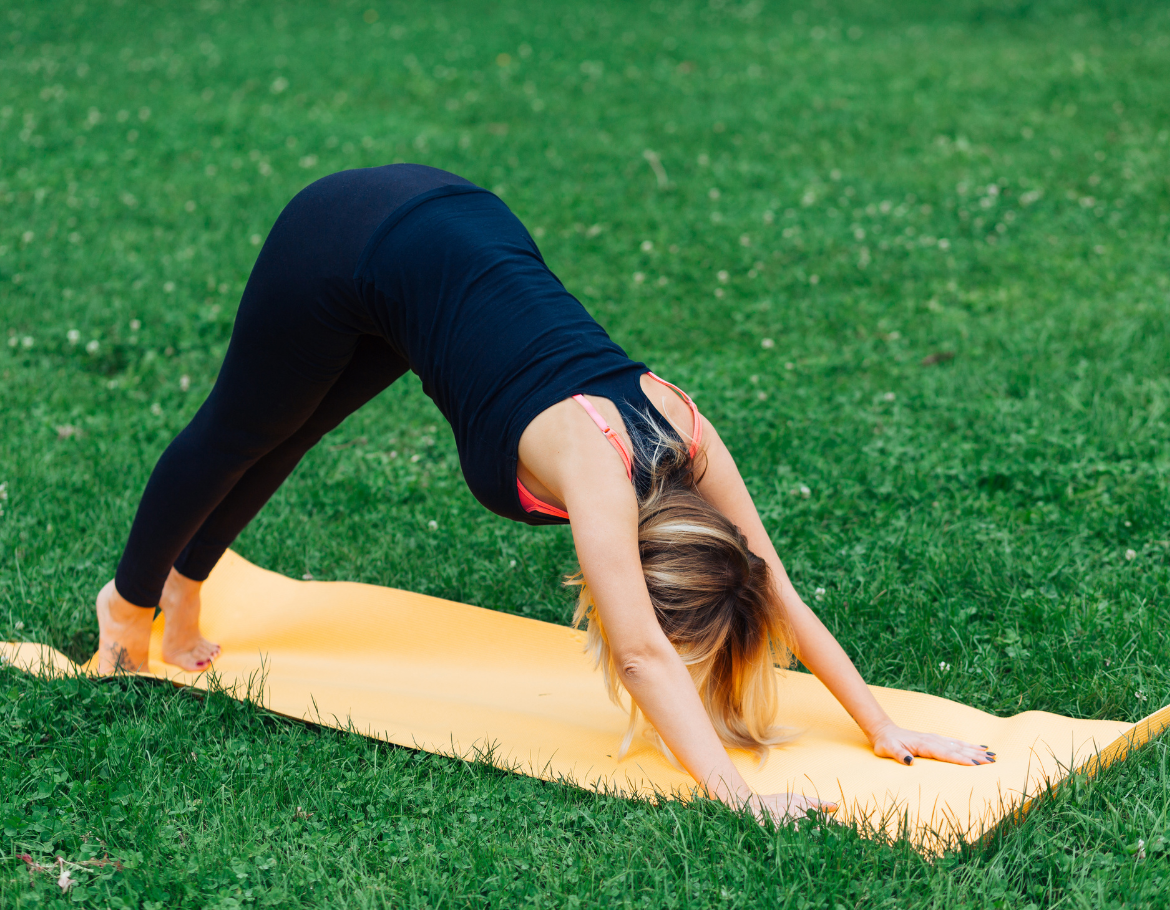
x,y
532,504
696,421
614,439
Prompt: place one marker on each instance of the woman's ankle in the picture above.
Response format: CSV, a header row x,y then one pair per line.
x,y
122,611
180,587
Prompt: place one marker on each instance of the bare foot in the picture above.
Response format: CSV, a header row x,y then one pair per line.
x,y
183,645
123,633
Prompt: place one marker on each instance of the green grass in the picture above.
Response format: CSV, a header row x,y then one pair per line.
x,y
1004,511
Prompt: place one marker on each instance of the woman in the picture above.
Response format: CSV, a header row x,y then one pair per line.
x,y
369,273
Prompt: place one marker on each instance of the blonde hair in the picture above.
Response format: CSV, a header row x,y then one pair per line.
x,y
714,599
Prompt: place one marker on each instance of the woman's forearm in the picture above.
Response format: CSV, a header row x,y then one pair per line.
x,y
662,688
605,533
819,650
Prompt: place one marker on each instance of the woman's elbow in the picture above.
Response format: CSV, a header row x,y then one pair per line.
x,y
638,663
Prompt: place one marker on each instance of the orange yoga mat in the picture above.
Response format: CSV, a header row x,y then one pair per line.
x,y
460,680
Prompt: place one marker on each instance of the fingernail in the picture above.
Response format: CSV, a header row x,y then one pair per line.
x,y
908,760
991,754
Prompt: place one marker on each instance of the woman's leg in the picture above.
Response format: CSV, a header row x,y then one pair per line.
x,y
372,369
288,349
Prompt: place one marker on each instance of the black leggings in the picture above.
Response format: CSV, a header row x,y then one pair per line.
x,y
271,403
365,274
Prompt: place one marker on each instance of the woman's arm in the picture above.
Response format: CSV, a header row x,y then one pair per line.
x,y
815,645
605,532
574,462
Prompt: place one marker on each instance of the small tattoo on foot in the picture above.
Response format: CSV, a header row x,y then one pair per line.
x,y
121,658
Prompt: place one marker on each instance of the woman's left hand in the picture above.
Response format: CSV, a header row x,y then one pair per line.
x,y
903,745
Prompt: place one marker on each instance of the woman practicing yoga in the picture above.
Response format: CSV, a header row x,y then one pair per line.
x,y
370,273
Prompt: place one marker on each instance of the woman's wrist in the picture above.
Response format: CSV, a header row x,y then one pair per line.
x,y
877,727
731,790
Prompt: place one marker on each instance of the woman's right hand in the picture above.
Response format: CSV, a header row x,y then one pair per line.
x,y
783,807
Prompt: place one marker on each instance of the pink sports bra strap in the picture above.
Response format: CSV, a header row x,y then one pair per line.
x,y
531,504
696,421
614,439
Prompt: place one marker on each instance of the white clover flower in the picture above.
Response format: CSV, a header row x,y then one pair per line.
x,y
73,335
511,564
819,594
169,287
18,625
3,491
767,343
647,246
255,240
639,277
433,525
1131,555
184,382
944,666
889,396
713,193
27,341
135,325
156,409
805,492
722,275
92,346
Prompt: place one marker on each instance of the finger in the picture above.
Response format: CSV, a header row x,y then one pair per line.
x,y
821,805
953,750
895,750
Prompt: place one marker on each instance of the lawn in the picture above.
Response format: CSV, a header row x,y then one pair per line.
x,y
912,259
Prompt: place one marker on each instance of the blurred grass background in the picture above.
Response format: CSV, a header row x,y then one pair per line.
x,y
911,259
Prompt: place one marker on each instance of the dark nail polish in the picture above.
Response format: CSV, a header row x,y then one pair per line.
x,y
992,754
908,759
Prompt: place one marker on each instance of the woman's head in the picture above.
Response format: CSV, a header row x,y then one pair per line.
x,y
714,599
